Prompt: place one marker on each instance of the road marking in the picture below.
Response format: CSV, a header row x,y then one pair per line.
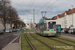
x,y
11,42
14,39
20,41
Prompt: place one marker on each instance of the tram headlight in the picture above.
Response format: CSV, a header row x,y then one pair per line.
x,y
51,22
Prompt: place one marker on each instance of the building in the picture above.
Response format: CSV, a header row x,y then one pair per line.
x,y
27,26
30,26
1,24
66,19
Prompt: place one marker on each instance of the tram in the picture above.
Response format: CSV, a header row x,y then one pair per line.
x,y
46,27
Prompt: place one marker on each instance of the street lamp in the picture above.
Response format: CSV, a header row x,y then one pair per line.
x,y
72,15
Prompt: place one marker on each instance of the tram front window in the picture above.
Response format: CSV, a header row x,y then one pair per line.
x,y
51,25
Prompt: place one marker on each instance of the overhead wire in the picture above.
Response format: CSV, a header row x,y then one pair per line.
x,y
29,4
48,6
44,5
51,4
32,4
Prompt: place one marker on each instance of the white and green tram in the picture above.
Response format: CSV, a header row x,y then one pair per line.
x,y
46,27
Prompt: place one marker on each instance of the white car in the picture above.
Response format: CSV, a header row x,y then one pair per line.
x,y
72,30
9,31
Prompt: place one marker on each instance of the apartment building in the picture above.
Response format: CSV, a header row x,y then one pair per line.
x,y
66,19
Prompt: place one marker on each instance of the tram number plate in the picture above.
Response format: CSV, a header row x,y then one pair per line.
x,y
51,30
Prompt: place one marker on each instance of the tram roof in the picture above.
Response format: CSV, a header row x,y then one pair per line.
x,y
47,20
40,22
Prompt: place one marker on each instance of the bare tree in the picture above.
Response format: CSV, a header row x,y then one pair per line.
x,y
8,12
3,9
12,14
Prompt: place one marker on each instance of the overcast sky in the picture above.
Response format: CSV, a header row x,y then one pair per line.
x,y
53,8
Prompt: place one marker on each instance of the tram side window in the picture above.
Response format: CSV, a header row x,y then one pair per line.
x,y
41,26
51,25
45,26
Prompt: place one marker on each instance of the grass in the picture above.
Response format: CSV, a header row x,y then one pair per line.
x,y
38,45
5,32
55,44
29,30
65,41
24,44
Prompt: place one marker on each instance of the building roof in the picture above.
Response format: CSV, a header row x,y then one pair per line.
x,y
55,17
63,14
70,11
59,15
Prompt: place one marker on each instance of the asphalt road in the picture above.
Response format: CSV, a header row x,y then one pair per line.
x,y
67,34
7,38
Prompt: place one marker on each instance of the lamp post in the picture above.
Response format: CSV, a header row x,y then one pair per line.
x,y
72,15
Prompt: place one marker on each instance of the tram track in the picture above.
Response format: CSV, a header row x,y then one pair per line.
x,y
62,42
66,40
43,42
55,44
32,47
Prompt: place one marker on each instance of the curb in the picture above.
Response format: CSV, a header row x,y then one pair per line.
x,y
20,41
10,42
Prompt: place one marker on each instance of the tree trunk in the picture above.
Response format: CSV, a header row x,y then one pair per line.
x,y
4,27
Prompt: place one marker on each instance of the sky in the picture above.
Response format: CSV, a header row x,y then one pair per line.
x,y
52,8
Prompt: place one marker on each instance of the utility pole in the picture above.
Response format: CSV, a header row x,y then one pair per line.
x,y
30,23
33,16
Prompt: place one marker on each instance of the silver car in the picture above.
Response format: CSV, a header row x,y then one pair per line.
x,y
1,32
8,31
72,30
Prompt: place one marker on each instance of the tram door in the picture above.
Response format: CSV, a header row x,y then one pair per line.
x,y
58,29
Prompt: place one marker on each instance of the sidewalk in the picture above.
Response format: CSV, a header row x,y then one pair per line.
x,y
13,46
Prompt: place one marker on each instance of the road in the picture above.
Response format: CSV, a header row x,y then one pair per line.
x,y
71,36
5,39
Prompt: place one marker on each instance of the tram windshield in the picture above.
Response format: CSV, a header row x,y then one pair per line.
x,y
51,25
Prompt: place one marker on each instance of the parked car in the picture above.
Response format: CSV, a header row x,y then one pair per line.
x,y
14,30
1,32
72,30
8,31
66,30
17,29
